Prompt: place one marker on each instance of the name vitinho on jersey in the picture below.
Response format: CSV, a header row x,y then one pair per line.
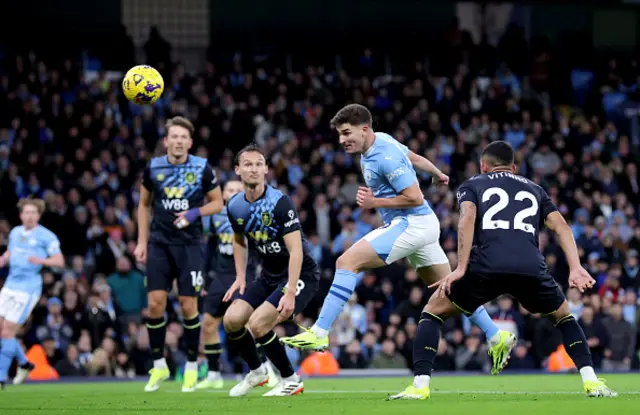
x,y
174,199
502,174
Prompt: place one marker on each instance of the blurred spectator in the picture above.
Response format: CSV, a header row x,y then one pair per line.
x,y
388,357
472,356
70,365
352,357
596,334
622,342
129,292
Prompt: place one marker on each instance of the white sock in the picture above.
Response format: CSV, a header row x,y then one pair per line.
x,y
495,339
421,381
191,366
292,378
588,373
321,333
160,364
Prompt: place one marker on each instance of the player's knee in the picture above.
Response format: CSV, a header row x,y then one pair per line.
x,y
157,304
259,327
210,324
441,307
234,320
188,306
8,330
561,314
345,261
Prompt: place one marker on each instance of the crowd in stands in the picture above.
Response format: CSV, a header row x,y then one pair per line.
x,y
79,145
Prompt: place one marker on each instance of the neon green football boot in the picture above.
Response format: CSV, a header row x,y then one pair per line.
x,y
307,340
500,352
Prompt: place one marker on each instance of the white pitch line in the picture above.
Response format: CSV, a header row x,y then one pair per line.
x,y
436,392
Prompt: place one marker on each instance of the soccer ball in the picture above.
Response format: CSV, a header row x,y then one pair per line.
x,y
143,85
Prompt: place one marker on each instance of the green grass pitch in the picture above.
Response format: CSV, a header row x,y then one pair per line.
x,y
473,395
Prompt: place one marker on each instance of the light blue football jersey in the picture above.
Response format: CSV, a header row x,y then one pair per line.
x,y
388,171
39,242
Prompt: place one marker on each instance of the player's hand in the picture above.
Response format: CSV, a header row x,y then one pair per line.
x,y
580,279
365,198
238,285
181,221
443,287
203,293
35,260
442,179
287,304
141,253
3,261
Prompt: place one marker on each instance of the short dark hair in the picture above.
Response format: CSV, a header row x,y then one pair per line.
x,y
180,122
499,153
354,114
250,148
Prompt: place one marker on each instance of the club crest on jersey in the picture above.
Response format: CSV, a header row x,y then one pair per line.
x,y
160,177
190,177
367,176
266,218
22,238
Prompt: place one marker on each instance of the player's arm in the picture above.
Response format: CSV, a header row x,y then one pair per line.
x,y
240,254
144,208
422,163
214,195
408,198
402,178
556,222
466,229
286,216
54,258
4,258
293,242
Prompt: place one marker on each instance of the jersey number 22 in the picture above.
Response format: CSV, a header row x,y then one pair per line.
x,y
503,201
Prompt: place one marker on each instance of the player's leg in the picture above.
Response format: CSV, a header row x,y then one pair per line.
x,y
212,350
190,264
541,294
266,317
158,284
372,251
432,265
213,309
239,337
15,308
467,293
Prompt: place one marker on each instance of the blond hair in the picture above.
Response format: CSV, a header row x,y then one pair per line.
x,y
37,203
180,122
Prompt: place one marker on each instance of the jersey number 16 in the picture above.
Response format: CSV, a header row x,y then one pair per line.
x,y
503,201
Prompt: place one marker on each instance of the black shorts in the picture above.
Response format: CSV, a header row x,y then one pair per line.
x,y
261,291
536,293
167,262
213,303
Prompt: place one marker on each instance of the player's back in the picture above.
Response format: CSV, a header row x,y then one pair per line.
x,y
38,242
511,210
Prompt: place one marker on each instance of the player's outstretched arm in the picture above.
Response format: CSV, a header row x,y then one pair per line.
x,y
422,163
54,261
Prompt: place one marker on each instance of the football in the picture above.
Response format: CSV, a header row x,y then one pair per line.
x,y
143,85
